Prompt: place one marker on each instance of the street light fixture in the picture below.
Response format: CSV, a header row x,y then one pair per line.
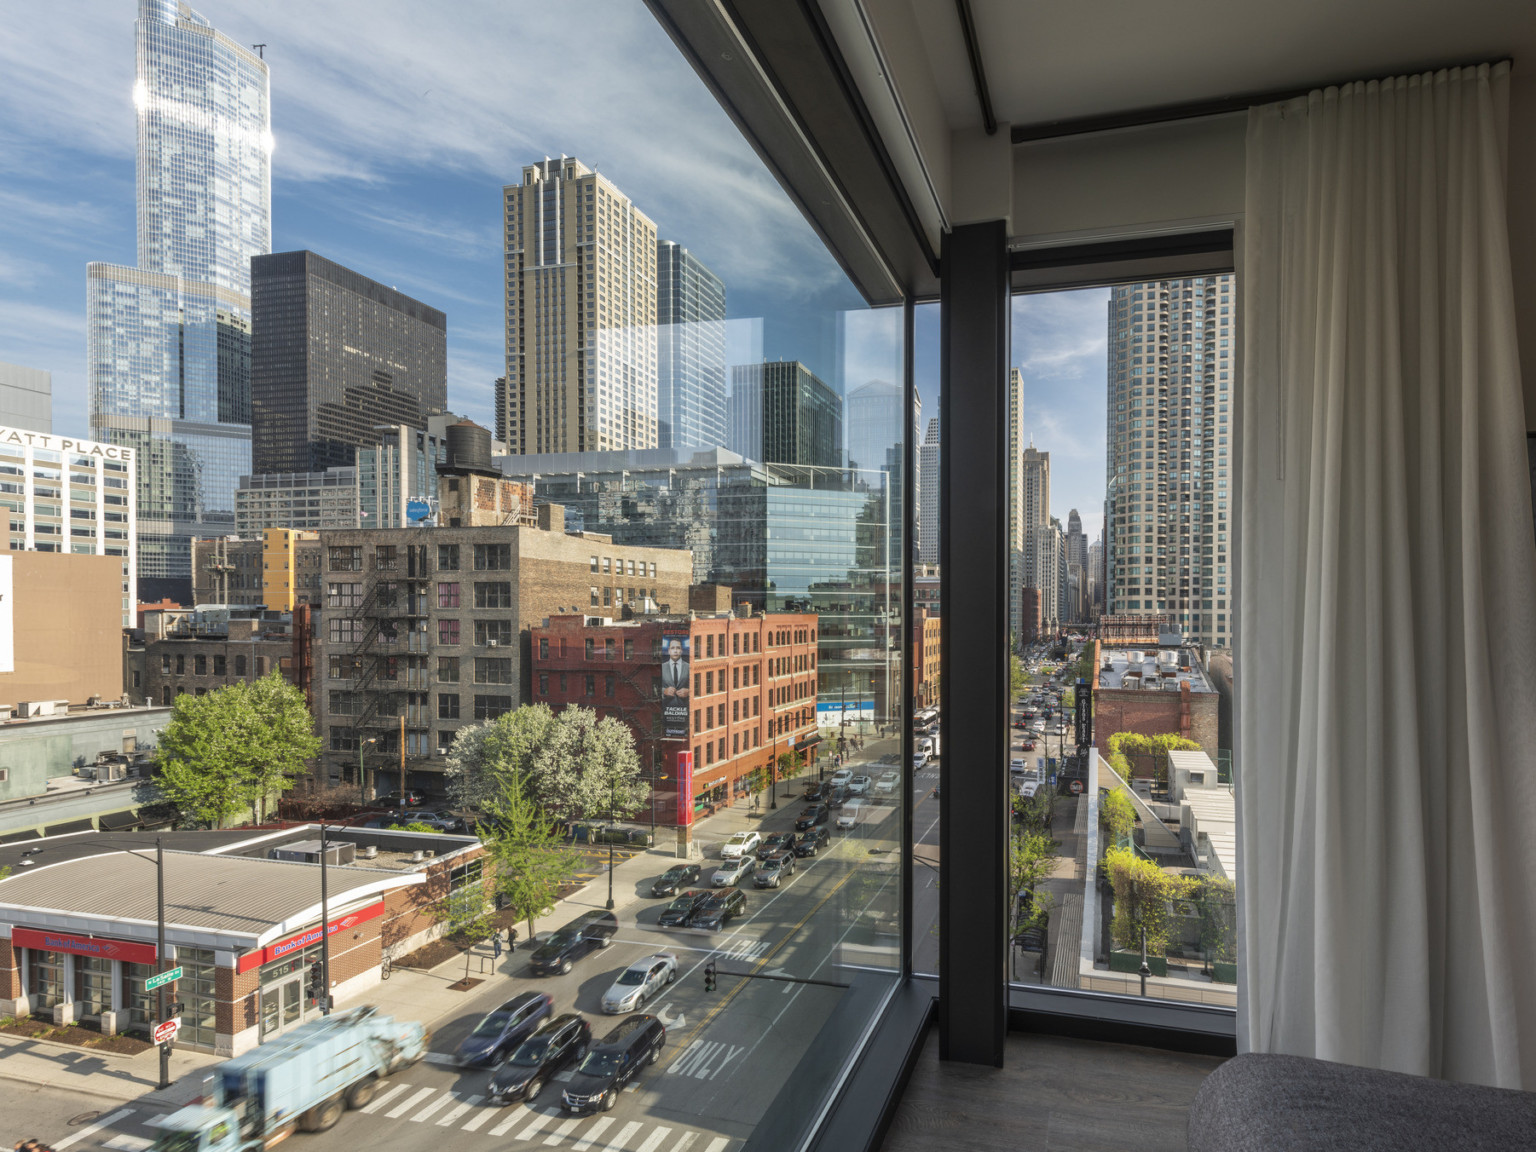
x,y
362,775
612,807
160,956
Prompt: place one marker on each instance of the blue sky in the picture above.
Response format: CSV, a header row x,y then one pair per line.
x,y
396,125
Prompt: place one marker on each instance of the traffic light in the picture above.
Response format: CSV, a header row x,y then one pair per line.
x,y
316,981
709,976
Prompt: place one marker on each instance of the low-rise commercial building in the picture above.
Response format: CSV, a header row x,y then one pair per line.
x,y
927,630
276,569
1153,692
61,628
200,650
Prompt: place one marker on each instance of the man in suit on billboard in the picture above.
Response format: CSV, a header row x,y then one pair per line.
x,y
674,672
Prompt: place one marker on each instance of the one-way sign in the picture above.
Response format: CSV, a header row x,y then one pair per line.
x,y
166,1031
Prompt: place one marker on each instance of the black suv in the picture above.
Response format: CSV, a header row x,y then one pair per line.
x,y
812,842
810,817
588,931
675,879
612,1063
675,914
548,1051
774,843
716,908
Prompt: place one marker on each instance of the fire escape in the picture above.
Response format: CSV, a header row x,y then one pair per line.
x,y
389,655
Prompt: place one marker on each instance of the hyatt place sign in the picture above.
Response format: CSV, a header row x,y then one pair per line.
x,y
23,438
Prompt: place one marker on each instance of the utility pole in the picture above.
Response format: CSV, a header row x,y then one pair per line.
x,y
325,930
160,966
402,757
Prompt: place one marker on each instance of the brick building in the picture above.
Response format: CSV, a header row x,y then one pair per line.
x,y
278,569
927,630
751,681
426,629
198,651
1154,691
242,922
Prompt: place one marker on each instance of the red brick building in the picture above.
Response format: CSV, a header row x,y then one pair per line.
x,y
749,695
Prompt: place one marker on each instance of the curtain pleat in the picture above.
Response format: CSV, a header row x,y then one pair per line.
x,y
1386,657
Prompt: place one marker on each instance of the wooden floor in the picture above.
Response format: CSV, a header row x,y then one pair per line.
x,y
1053,1094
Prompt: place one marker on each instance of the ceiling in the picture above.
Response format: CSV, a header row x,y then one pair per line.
x,y
1046,60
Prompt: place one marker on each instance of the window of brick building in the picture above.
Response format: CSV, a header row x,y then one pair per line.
x,y
543,647
447,631
447,557
448,669
447,705
219,665
490,707
448,594
493,594
591,684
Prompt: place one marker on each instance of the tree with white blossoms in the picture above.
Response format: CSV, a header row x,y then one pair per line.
x,y
486,758
586,768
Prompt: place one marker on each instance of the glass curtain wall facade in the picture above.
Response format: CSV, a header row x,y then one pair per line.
x,y
690,351
168,340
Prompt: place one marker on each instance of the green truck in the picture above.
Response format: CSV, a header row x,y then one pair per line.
x,y
303,1079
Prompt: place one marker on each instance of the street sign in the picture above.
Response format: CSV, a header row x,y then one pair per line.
x,y
168,976
166,1032
1076,787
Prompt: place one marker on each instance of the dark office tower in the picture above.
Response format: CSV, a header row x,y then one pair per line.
x,y
690,351
780,412
234,349
333,355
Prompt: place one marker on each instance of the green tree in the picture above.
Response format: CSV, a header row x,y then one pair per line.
x,y
529,857
586,768
1126,747
1031,861
1214,899
1142,895
485,756
1018,679
233,748
1117,815
790,764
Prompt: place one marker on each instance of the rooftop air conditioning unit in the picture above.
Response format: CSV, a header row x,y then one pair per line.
x,y
417,856
370,852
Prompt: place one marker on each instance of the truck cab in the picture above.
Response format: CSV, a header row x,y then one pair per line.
x,y
200,1128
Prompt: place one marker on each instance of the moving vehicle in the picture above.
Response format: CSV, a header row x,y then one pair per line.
x,y
850,814
812,841
639,982
775,843
739,845
889,780
919,761
859,785
589,931
733,872
814,790
772,869
612,1063
539,1059
502,1030
810,817
1029,745
675,879
840,778
716,908
315,1073
1016,766
675,914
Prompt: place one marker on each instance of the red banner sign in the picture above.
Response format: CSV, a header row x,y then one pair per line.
x,y
684,789
301,940
102,946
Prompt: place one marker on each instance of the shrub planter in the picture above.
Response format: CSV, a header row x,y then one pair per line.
x,y
1131,962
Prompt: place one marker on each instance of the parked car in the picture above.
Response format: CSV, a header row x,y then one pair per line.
x,y
739,845
810,817
1029,745
410,798
499,1032
588,932
1016,766
812,841
777,842
716,908
612,1063
439,821
675,914
639,982
617,834
815,790
539,1059
859,785
850,814
675,879
772,869
733,872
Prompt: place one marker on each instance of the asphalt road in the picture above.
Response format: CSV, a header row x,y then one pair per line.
x,y
728,1052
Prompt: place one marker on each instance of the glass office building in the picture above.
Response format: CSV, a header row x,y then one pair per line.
x,y
690,351
168,340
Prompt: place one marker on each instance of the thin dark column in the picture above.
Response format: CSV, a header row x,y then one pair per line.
x,y
973,826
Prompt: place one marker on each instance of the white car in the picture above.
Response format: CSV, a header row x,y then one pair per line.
x,y
859,785
1016,766
739,845
888,781
919,762
733,872
639,982
840,778
850,813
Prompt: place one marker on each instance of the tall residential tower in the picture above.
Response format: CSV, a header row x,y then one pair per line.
x,y
167,341
580,315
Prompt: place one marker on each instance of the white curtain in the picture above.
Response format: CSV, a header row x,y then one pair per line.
x,y
1386,659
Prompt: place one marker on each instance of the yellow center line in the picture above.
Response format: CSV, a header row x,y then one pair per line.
x,y
742,981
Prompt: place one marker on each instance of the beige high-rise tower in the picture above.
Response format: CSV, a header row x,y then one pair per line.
x,y
581,315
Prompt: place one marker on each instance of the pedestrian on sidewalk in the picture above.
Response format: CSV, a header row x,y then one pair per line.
x,y
511,938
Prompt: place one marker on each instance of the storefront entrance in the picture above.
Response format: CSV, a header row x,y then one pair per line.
x,y
285,998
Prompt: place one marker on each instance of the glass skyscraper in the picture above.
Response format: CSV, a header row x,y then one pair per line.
x,y
690,351
168,341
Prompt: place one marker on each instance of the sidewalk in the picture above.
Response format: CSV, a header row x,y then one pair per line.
x,y
104,1076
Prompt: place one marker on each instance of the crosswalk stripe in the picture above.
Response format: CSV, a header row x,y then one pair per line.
x,y
624,1134
426,1112
477,1119
653,1140
683,1141
513,1117
539,1120
719,1144
96,1127
593,1133
402,1109
563,1131
388,1095
459,1110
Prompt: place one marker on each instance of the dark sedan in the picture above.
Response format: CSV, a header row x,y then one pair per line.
x,y
814,840
715,909
563,948
501,1031
775,843
538,1059
676,914
675,879
810,817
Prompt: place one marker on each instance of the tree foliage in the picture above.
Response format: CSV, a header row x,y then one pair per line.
x,y
1031,861
1124,747
1117,815
1214,899
1018,678
587,768
529,856
234,748
486,756
1143,895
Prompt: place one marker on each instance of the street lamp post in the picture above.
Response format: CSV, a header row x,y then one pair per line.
x,y
612,806
362,775
325,930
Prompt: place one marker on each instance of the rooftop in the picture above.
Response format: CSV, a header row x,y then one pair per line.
x,y
1151,669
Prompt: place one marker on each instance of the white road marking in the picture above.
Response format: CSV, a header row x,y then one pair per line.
x,y
654,1139
624,1134
93,1128
402,1109
426,1112
563,1131
459,1110
718,1144
126,1143
389,1094
684,1141
539,1120
478,1119
669,1022
597,1129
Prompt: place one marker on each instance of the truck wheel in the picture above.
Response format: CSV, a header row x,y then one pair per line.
x,y
323,1116
360,1093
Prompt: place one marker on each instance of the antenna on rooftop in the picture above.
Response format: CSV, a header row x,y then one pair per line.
x,y
260,50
